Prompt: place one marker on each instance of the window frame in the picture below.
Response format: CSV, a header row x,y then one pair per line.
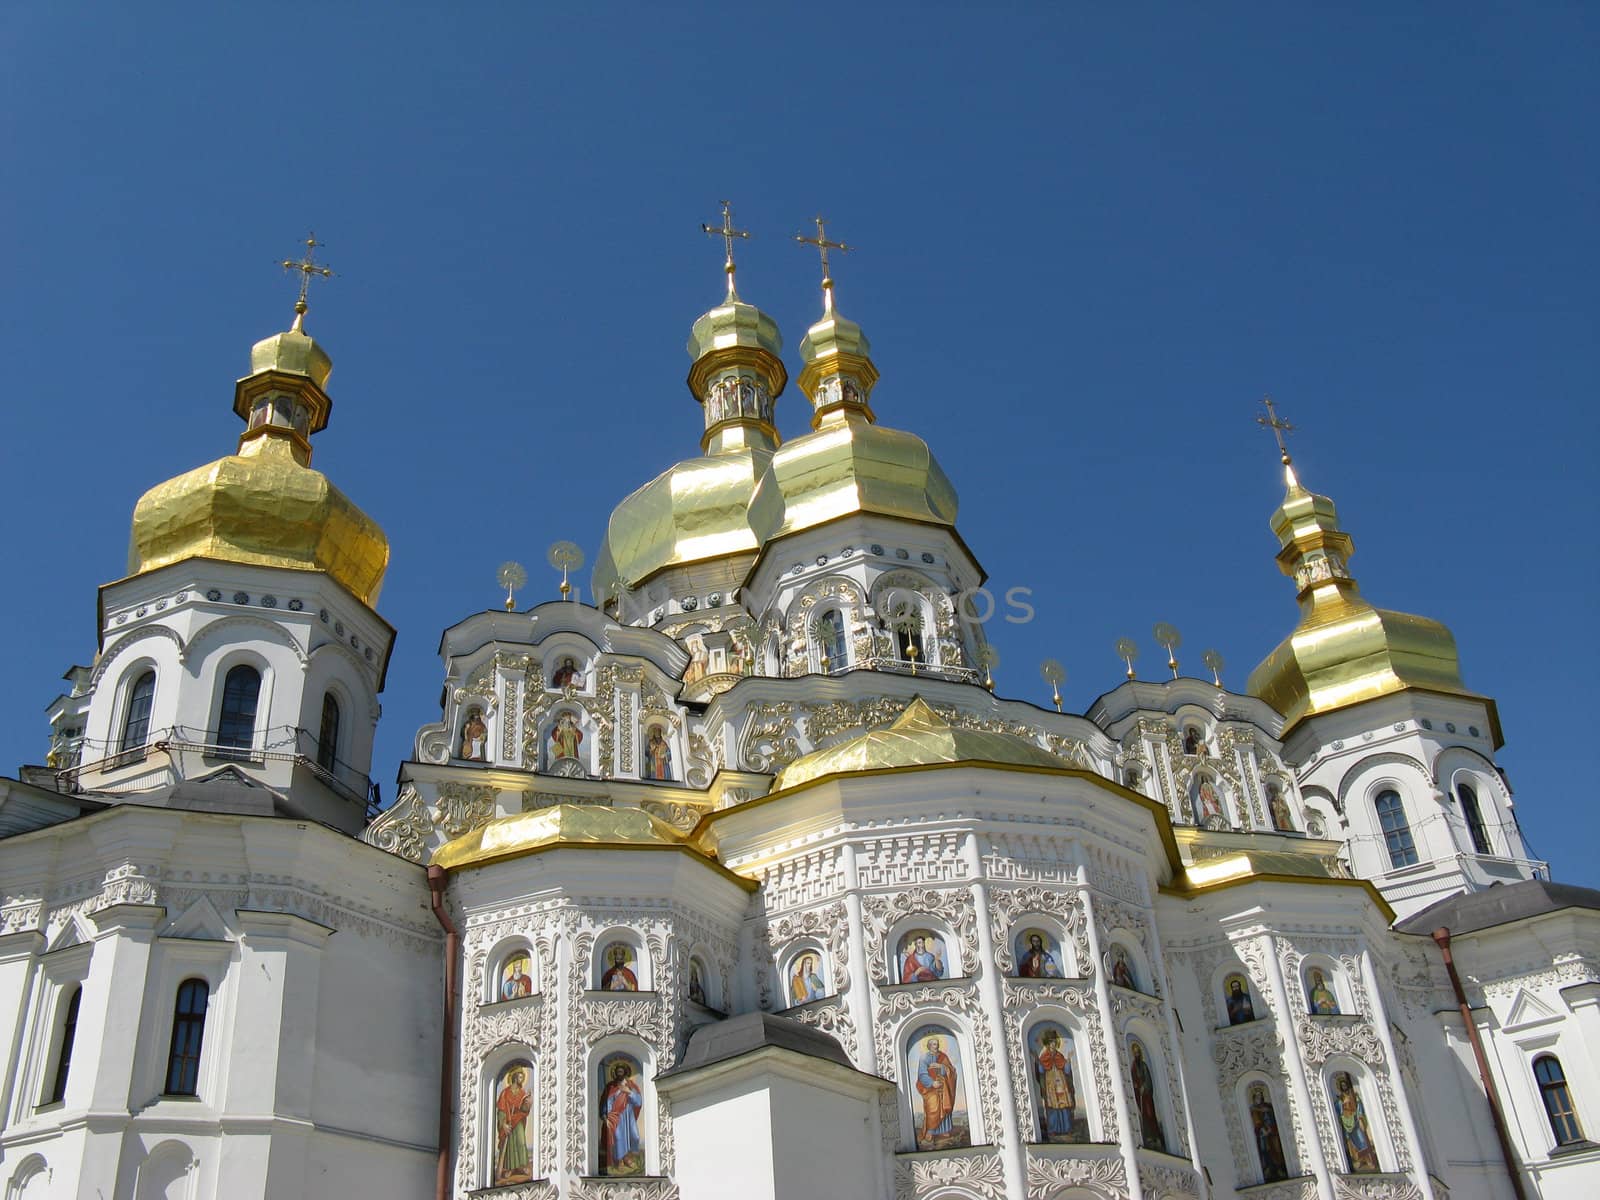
x,y
66,1035
182,1022
1400,834
133,716
1561,1085
328,746
1472,813
229,725
834,655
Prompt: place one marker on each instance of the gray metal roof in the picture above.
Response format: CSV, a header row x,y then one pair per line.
x,y
1499,904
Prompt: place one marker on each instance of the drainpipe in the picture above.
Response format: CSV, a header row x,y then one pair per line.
x,y
437,879
1441,937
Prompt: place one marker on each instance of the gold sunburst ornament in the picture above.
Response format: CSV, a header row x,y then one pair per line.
x,y
511,576
1214,664
1054,674
565,557
988,658
1169,639
1127,650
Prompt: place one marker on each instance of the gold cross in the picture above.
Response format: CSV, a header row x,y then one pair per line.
x,y
822,243
1278,427
727,233
307,266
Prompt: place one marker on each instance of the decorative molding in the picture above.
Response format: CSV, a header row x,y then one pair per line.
x,y
977,1170
1050,1178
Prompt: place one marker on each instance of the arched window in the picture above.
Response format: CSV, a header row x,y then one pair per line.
x,y
1474,816
328,733
832,653
236,724
136,724
188,1031
69,1033
1557,1099
1396,830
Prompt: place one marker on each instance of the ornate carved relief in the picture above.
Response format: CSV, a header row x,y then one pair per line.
x,y
1161,1181
1376,1187
404,828
953,906
1050,1178
622,1189
978,1172
462,807
1020,1000
1006,907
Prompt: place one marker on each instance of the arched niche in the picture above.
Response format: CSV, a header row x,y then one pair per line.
x,y
508,1080
620,962
510,971
621,1108
804,973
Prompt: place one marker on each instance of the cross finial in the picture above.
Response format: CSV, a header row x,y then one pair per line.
x,y
727,233
1279,428
822,243
307,266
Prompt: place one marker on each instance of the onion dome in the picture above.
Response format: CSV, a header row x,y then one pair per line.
x,y
849,464
705,508
918,737
264,505
1344,650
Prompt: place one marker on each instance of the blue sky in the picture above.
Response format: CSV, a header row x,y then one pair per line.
x,y
1091,239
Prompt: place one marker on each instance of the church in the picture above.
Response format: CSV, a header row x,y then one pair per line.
x,y
746,882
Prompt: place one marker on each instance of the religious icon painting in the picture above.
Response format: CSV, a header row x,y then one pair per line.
x,y
1320,999
1050,1050
939,1119
921,957
1264,1130
657,754
1355,1133
697,983
566,675
1146,1107
805,978
565,736
1038,955
1121,969
516,976
1241,1008
621,1091
1206,802
513,1125
617,972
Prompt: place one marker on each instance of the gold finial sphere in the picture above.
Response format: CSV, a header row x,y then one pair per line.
x,y
1214,664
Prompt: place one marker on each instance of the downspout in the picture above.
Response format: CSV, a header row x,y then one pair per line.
x,y
1441,937
437,879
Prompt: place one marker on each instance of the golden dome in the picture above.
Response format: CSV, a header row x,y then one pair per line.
x,y
849,464
265,505
706,507
918,737
697,509
559,825
1344,650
